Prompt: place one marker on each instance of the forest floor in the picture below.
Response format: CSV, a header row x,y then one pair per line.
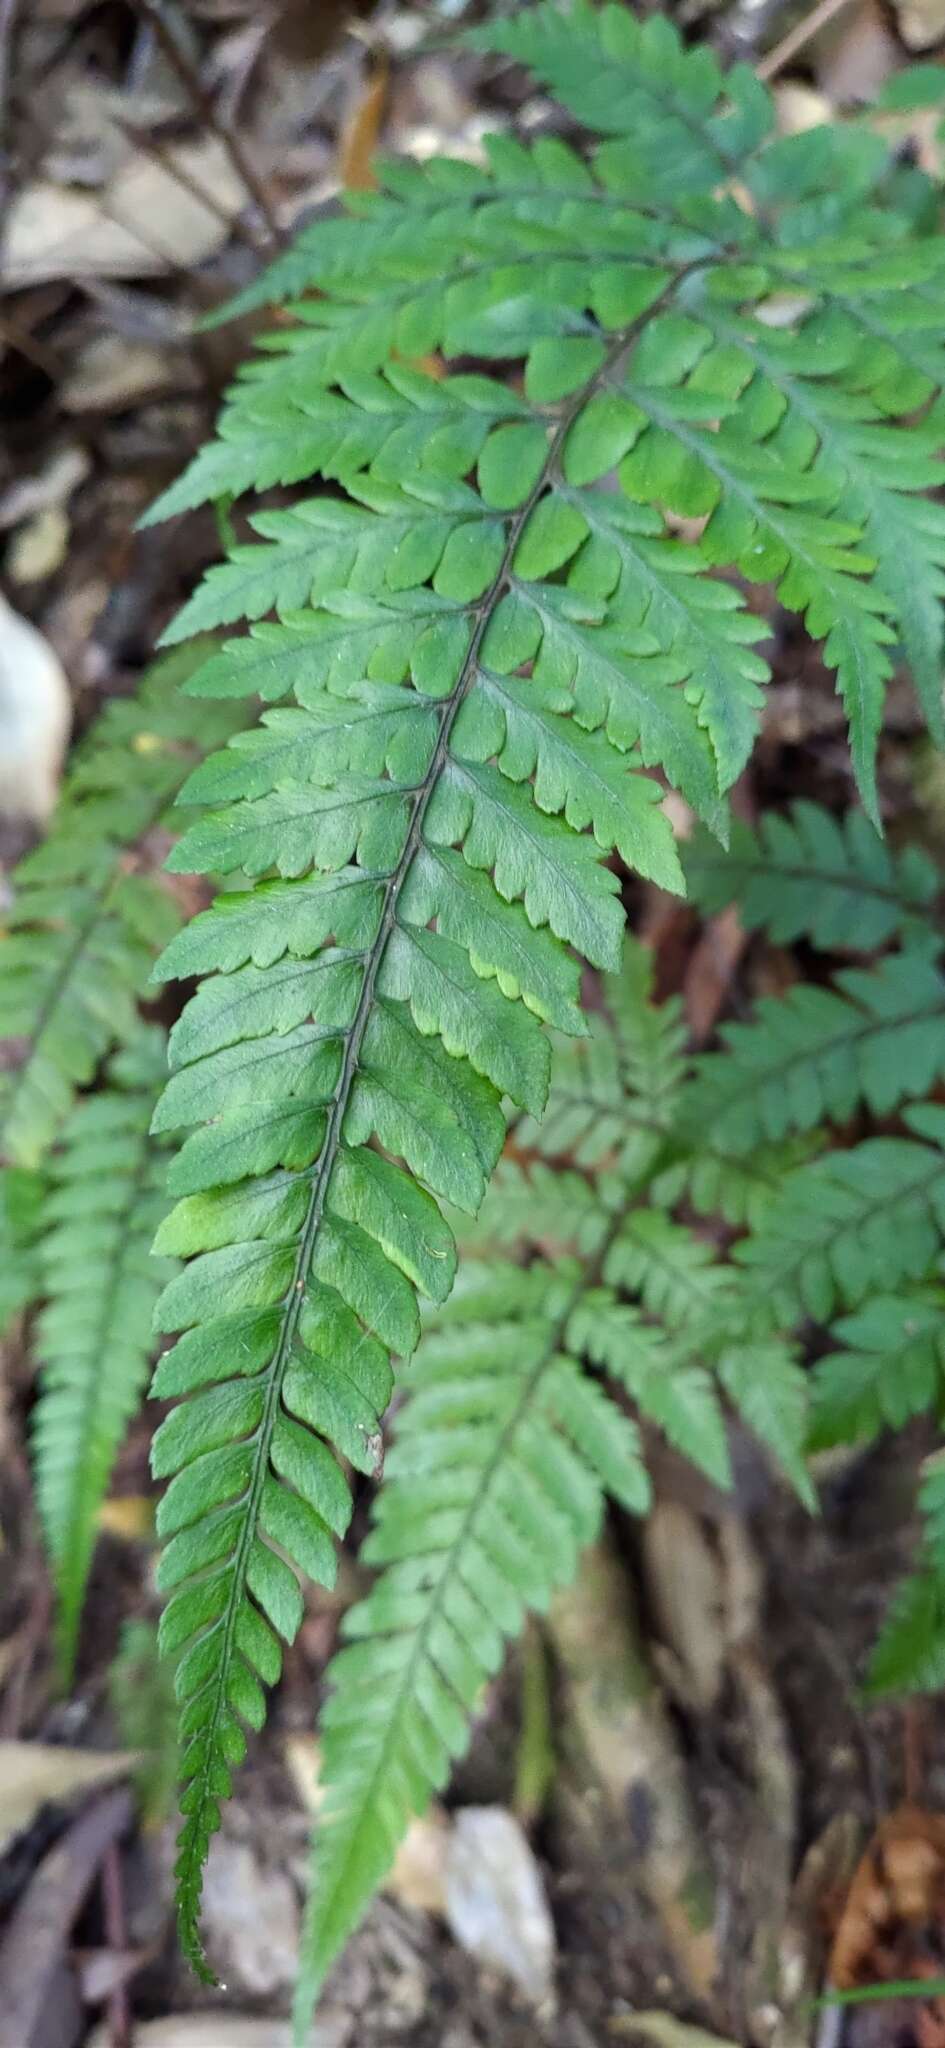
x,y
757,1618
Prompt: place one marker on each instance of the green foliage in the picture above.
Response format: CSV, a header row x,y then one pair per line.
x,y
877,1036
142,1698
101,1207
809,875
86,922
21,1203
507,1441
910,1654
487,633
80,1180
852,1239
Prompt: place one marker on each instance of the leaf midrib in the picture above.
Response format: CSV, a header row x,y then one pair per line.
x,y
293,1301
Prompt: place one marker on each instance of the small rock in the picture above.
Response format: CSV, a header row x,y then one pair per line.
x,y
921,23
52,485
35,719
495,1900
39,546
251,1919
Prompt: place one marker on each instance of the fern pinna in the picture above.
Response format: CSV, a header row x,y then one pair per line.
x,y
508,1441
87,919
853,1237
489,632
104,1201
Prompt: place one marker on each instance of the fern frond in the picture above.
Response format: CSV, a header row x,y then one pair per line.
x,y
738,1187
891,1369
86,926
910,1653
806,874
480,651
691,128
494,1485
824,378
614,1091
94,1335
841,1221
877,1037
22,1191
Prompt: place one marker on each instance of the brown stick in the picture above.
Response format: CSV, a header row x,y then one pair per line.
x,y
154,15
113,1901
622,1743
801,33
159,153
38,1929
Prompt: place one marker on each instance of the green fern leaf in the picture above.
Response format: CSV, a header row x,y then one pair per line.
x,y
614,1092
844,1219
85,928
891,1369
816,1053
487,635
910,1653
22,1193
808,875
94,1339
493,1486
769,1389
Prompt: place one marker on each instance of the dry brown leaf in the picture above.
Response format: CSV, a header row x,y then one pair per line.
x,y
145,222
897,1895
110,374
38,547
36,1774
710,973
359,136
129,1516
855,55
666,2032
921,23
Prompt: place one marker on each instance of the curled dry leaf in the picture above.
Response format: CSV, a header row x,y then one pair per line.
x,y
895,1909
37,1774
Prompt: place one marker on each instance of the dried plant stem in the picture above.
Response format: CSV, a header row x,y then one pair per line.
x,y
155,15
160,154
798,37
621,1740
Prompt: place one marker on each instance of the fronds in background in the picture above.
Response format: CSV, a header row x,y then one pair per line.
x,y
507,1442
80,1180
103,1202
21,1206
87,919
141,1690
808,875
854,1238
497,1476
